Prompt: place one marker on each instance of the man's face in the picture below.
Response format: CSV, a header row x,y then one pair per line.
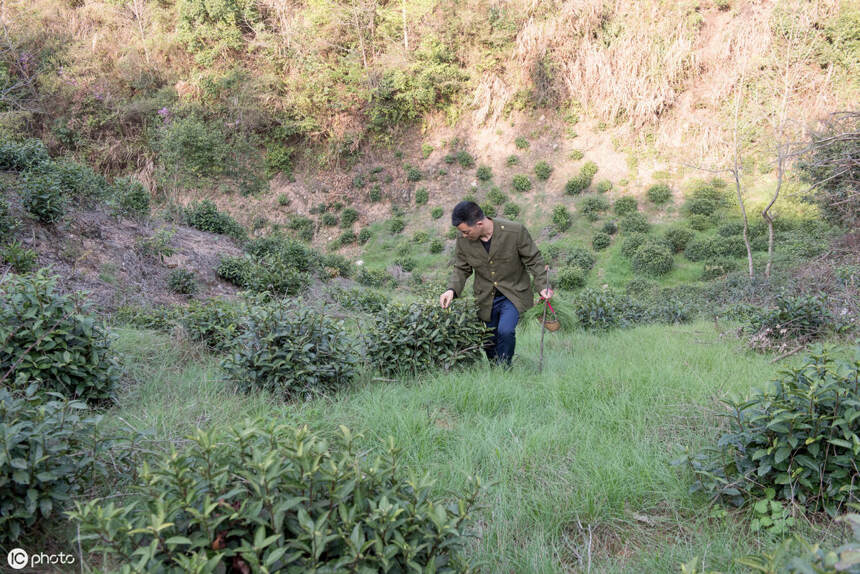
x,y
471,232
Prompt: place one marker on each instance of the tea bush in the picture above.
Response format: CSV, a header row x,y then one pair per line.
x,y
561,219
484,173
291,352
799,437
543,170
204,215
701,222
159,318
277,275
625,205
593,206
348,217
192,147
21,259
334,265
358,299
266,497
294,253
182,282
631,243
413,174
588,169
652,258
329,219
437,212
48,445
421,196
22,155
407,264
521,183
512,160
346,238
581,257
7,222
375,194
678,238
659,194
610,228
66,350
577,184
465,159
599,310
576,155
436,245
77,181
801,317
303,227
237,270
422,337
718,267
489,209
364,235
634,223
496,196
129,197
570,277
600,241
731,228
216,323
521,143
374,277
603,186
511,210
44,195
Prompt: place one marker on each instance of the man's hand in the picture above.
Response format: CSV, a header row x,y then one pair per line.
x,y
446,298
546,293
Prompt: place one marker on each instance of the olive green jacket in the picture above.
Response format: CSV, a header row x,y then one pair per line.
x,y
513,254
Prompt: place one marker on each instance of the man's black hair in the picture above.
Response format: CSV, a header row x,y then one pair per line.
x,y
467,212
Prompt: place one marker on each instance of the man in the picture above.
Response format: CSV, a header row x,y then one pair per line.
x,y
501,253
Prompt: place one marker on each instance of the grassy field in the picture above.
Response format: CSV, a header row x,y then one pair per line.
x,y
577,460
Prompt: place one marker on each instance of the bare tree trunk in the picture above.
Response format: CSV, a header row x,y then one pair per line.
x,y
736,172
137,8
356,22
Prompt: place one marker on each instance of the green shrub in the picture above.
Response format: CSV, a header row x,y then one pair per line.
x,y
48,446
302,227
279,159
589,168
359,299
22,155
359,181
329,219
413,174
570,277
237,270
267,497
182,281
511,211
204,215
336,265
581,257
705,200
375,195
421,196
396,225
598,310
561,218
292,352
521,143
484,173
489,209
437,212
348,217
801,318
653,258
521,183
283,199
423,337
278,275
550,252
512,160
577,184
610,228
797,438
700,222
576,155
603,186
159,318
374,277
66,350
426,150
44,195
465,159
408,264
543,170
625,205
699,249
639,286
192,147
129,197
593,206
678,238
213,31
600,241
659,194
634,223
719,267
731,228
78,181
216,323
631,243
7,222
364,235
347,237
294,253
496,196
21,259
436,246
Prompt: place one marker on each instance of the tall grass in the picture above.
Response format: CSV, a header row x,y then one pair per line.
x,y
577,458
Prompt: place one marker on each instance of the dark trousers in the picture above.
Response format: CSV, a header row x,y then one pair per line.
x,y
503,322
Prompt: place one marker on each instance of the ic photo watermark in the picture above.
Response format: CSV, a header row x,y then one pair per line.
x,y
18,559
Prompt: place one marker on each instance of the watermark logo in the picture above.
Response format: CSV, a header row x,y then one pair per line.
x,y
18,558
